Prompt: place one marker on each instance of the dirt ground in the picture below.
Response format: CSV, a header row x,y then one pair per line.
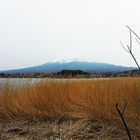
x,y
65,130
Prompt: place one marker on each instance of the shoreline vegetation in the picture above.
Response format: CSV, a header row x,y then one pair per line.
x,y
73,74
69,109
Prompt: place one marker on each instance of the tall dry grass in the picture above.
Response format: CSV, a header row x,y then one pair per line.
x,y
50,99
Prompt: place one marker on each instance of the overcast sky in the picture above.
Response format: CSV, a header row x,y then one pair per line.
x,y
34,32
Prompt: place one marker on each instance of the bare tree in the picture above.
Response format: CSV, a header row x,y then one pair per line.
x,y
129,48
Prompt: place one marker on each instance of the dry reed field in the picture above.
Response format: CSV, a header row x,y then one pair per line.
x,y
70,109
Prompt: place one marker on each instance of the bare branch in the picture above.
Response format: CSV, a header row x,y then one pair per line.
x,y
123,120
124,47
137,40
128,48
135,60
133,32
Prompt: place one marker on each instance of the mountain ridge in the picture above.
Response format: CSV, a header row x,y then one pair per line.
x,y
52,67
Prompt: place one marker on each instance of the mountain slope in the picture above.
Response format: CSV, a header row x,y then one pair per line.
x,y
73,65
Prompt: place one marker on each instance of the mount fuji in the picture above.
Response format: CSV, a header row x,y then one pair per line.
x,y
52,67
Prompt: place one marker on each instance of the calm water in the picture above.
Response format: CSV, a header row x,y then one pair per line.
x,y
34,80
18,82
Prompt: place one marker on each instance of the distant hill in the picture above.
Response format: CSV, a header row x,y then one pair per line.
x,y
90,67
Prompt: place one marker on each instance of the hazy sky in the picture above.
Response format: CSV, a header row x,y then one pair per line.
x,y
34,32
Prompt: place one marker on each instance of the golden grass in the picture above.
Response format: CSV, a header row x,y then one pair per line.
x,y
89,99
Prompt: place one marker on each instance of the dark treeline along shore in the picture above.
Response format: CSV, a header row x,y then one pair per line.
x,y
72,74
